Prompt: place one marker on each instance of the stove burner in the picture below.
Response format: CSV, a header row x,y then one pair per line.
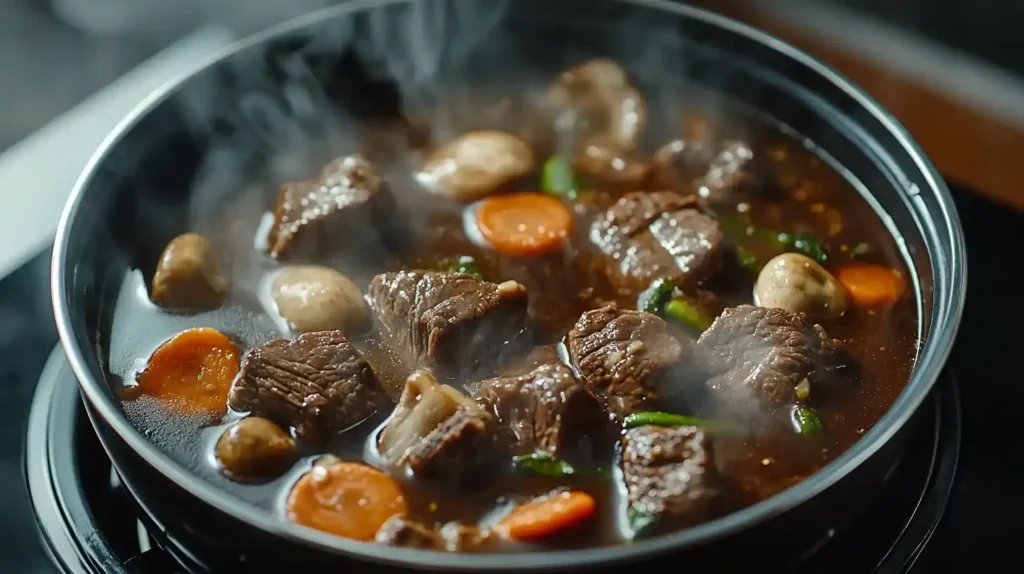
x,y
89,524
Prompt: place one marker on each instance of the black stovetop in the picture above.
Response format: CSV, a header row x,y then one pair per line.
x,y
977,520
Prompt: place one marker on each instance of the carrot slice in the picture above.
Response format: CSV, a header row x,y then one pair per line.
x,y
524,224
347,499
192,371
871,285
546,516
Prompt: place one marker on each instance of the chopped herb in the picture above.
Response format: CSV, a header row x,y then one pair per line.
x,y
660,419
544,464
653,298
464,264
681,310
557,178
641,523
807,421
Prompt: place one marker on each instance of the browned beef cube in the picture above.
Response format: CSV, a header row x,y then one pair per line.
x,y
439,433
755,355
623,356
646,236
457,452
670,476
546,409
317,383
343,207
446,322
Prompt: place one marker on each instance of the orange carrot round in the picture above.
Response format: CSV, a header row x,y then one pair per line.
x,y
871,285
524,224
192,371
546,516
347,499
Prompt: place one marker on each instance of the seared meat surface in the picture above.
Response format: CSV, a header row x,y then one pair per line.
x,y
757,356
647,236
624,356
546,409
317,383
344,209
446,322
669,474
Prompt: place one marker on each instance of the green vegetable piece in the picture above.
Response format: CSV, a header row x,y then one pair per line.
x,y
807,421
544,464
660,419
557,178
810,246
465,264
748,260
681,310
641,523
653,298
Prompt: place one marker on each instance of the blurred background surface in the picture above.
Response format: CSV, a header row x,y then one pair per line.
x,y
952,71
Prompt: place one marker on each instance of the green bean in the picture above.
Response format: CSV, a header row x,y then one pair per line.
x,y
544,464
659,419
557,178
807,421
653,298
681,310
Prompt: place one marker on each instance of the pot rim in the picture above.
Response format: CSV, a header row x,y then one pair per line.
x,y
945,322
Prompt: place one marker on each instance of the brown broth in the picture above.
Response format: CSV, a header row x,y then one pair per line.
x,y
813,197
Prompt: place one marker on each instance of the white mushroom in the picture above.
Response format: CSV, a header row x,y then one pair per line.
x,y
599,93
189,275
255,447
476,164
798,284
313,298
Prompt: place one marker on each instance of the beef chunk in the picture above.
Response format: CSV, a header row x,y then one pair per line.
x,y
439,433
446,322
455,451
345,204
546,409
318,383
645,236
669,474
623,355
755,355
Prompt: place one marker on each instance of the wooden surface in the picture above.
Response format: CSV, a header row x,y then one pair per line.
x,y
968,142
